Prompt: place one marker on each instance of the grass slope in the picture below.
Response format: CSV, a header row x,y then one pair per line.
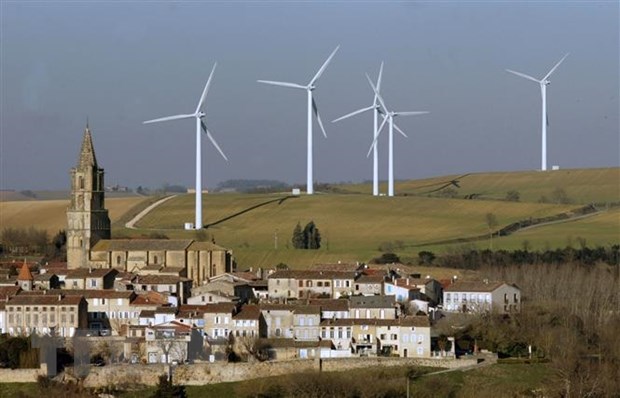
x,y
51,214
581,185
352,226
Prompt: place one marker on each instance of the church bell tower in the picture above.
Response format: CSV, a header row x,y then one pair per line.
x,y
87,217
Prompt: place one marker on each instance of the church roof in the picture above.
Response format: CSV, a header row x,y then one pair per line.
x,y
87,153
205,246
106,245
25,274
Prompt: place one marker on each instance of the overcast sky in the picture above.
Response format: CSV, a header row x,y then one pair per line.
x,y
119,64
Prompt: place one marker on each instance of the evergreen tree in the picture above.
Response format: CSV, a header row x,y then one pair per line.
x,y
312,237
298,238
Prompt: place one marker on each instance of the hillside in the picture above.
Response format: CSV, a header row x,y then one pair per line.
x,y
51,214
359,227
582,186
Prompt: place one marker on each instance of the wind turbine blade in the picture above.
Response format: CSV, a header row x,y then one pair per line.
x,y
547,115
206,89
318,117
165,119
357,112
374,142
400,131
320,72
555,67
377,93
204,128
379,77
410,113
523,75
282,84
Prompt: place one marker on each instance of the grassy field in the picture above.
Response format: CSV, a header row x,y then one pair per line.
x,y
51,214
352,226
581,185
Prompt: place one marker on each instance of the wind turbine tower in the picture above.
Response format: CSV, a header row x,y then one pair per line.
x,y
389,117
312,108
544,82
377,111
198,115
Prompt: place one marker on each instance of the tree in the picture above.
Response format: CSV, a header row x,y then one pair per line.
x,y
559,196
165,389
513,196
426,257
312,237
298,237
491,221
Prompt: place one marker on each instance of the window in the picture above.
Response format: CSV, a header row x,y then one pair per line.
x,y
327,284
154,259
302,321
420,338
308,283
93,283
405,338
319,284
81,182
420,350
118,260
348,283
217,320
301,283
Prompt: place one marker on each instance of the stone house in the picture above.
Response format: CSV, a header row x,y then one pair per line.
x,y
249,322
373,307
219,320
482,296
90,278
278,319
306,322
174,287
332,308
369,285
108,310
172,342
57,314
211,297
295,284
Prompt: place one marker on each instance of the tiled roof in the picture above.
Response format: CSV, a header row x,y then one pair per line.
x,y
80,273
298,274
107,245
473,286
159,279
417,321
339,267
331,304
372,301
220,308
150,298
87,293
277,307
8,291
308,310
45,299
191,311
204,246
25,274
248,311
374,279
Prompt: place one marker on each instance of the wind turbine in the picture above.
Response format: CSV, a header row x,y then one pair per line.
x,y
377,111
312,107
200,125
389,117
543,92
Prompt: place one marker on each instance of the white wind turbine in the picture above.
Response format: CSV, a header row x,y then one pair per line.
x,y
200,125
389,117
312,107
543,92
377,111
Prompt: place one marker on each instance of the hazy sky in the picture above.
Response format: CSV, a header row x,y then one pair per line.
x,y
121,63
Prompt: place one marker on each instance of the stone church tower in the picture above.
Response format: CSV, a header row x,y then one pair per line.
x,y
87,218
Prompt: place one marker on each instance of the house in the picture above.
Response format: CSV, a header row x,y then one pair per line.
x,y
176,288
211,297
46,281
172,342
193,315
157,316
401,289
108,310
239,289
294,284
373,307
482,296
306,322
90,278
55,314
369,284
249,322
278,319
218,320
332,308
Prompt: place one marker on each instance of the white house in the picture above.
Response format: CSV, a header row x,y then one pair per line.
x,y
482,296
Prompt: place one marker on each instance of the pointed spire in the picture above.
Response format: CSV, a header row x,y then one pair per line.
x,y
24,273
87,153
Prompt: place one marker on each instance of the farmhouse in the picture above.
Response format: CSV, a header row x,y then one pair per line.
x,y
482,296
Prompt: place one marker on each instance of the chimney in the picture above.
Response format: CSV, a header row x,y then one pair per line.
x,y
407,281
60,297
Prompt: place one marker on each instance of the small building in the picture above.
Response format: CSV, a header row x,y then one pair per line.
x,y
90,278
482,296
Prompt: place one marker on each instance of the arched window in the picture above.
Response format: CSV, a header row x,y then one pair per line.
x,y
81,179
154,259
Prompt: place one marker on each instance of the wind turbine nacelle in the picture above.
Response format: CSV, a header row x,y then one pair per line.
x,y
547,82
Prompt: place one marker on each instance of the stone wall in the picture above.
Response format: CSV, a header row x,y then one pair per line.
x,y
19,375
207,373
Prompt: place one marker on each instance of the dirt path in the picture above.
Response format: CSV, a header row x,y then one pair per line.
x,y
131,223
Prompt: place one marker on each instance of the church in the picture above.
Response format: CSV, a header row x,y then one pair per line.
x,y
90,243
